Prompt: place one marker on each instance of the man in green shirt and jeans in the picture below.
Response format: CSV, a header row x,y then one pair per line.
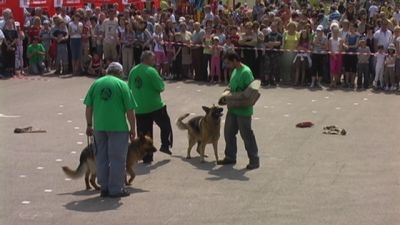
x,y
239,119
109,102
146,85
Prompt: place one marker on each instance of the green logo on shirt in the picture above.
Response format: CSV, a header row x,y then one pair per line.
x,y
106,94
138,82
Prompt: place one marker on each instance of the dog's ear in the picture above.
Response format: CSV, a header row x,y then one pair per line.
x,y
206,109
220,110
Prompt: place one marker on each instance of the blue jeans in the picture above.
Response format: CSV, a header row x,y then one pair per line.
x,y
36,68
233,124
111,152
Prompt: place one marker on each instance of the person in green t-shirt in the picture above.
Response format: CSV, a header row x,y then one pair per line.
x,y
146,85
239,119
36,53
109,103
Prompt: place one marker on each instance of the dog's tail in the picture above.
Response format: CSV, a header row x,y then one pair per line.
x,y
181,125
75,174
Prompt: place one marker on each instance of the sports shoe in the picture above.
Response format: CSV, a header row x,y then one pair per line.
x,y
393,88
252,166
226,161
387,88
165,150
104,193
122,194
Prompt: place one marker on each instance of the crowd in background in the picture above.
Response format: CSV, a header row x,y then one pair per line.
x,y
300,43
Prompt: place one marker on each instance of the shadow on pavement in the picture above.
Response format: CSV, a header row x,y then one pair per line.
x,y
82,193
220,173
97,204
142,169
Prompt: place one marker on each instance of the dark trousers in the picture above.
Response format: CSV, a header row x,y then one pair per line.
x,y
241,124
144,124
317,65
137,52
249,59
363,71
197,61
204,67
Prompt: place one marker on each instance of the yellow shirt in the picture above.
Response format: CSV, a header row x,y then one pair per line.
x,y
290,41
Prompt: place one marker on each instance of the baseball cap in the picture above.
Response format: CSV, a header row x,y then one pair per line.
x,y
320,28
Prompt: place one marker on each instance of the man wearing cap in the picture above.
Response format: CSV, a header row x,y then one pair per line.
x,y
109,103
146,85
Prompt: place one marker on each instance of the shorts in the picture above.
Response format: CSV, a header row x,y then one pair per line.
x,y
160,58
76,47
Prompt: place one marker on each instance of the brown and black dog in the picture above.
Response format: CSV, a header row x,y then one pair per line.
x,y
203,130
87,165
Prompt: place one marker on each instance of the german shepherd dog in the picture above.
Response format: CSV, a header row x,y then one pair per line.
x,y
87,165
203,130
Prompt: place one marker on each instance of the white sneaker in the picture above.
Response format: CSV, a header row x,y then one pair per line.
x,y
393,88
319,84
387,88
312,85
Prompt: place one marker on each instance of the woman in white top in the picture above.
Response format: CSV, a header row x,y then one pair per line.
x,y
75,31
335,46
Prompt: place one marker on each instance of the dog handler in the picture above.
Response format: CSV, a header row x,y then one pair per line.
x,y
239,119
108,103
147,85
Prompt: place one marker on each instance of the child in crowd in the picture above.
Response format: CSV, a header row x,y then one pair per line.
x,y
363,65
45,37
161,59
335,46
390,61
215,61
96,65
228,47
379,67
177,59
19,52
170,53
302,61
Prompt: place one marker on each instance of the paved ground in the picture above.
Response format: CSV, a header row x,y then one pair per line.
x,y
306,177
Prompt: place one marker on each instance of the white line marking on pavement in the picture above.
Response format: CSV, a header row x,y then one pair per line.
x,y
48,190
59,160
9,116
26,202
40,167
67,179
73,152
22,176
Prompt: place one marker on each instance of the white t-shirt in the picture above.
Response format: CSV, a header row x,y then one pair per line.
x,y
373,10
380,59
75,30
110,30
66,18
383,38
396,16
